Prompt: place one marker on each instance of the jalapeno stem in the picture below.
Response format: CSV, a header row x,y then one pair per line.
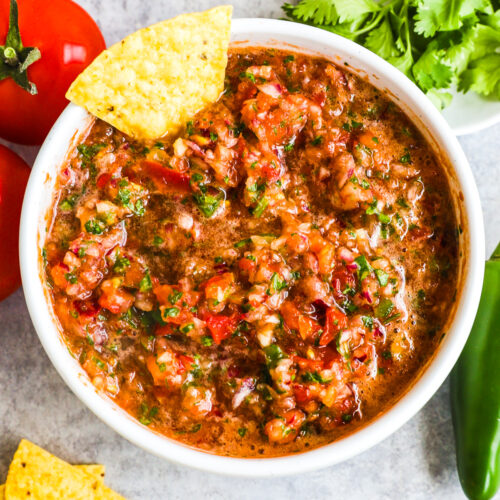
x,y
496,253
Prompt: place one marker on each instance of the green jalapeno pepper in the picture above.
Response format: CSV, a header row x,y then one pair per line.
x,y
475,394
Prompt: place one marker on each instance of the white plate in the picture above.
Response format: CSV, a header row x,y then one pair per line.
x,y
470,113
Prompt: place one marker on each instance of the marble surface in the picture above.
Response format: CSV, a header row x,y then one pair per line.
x,y
417,462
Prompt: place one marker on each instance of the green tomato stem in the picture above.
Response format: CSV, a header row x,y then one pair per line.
x,y
10,56
14,57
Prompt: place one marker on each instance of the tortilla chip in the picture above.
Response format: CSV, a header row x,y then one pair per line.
x,y
153,81
36,474
96,470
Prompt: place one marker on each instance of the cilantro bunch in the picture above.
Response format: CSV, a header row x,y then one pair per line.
x,y
439,44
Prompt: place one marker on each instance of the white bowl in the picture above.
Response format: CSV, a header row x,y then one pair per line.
x,y
270,33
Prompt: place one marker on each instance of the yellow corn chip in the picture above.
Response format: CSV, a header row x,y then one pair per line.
x,y
36,474
153,81
96,470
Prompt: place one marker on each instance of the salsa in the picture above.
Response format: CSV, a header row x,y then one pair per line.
x,y
269,280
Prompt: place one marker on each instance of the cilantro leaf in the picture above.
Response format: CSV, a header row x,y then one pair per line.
x,y
317,11
439,44
381,41
363,267
446,15
493,20
440,99
273,354
430,72
350,10
403,62
483,76
484,41
207,203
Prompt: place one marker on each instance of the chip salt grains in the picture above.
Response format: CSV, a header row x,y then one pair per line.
x,y
35,474
150,83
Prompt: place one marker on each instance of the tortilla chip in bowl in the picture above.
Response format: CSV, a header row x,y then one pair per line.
x,y
150,83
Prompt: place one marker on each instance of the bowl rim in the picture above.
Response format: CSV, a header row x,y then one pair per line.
x,y
360,440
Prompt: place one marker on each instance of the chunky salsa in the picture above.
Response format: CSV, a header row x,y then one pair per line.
x,y
271,279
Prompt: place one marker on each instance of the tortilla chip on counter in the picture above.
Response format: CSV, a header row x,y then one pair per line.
x,y
96,470
36,474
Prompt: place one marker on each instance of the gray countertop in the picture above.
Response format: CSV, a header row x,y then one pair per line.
x,y
417,462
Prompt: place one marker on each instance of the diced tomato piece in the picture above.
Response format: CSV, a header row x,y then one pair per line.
x,y
336,321
58,273
165,367
114,298
133,274
88,308
247,265
275,120
284,429
175,315
102,180
297,242
171,178
246,90
290,314
163,292
316,241
166,294
221,327
326,258
215,412
302,393
307,327
219,287
319,97
309,364
295,320
186,361
91,367
271,171
163,330
341,280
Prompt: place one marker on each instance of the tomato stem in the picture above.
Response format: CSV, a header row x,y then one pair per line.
x,y
14,57
10,56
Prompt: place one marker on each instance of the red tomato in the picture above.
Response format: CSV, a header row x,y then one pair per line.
x,y
68,40
335,322
221,327
14,175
